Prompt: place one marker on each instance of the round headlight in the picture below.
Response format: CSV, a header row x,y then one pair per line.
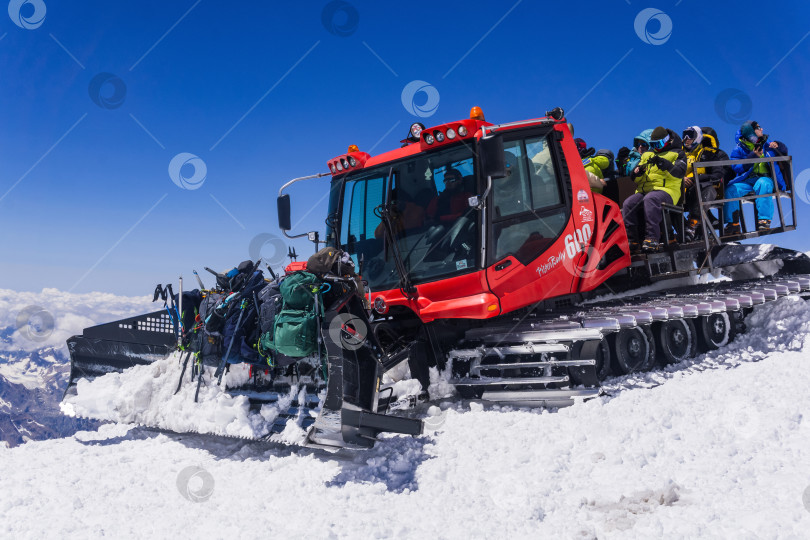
x,y
451,133
462,131
344,163
334,169
439,136
429,138
416,130
352,161
339,166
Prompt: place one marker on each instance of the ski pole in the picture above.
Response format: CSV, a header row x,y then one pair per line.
x,y
185,363
199,380
180,317
202,287
221,369
273,274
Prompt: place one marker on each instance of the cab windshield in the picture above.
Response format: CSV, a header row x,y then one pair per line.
x,y
433,224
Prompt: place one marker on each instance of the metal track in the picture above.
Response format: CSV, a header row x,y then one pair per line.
x,y
552,360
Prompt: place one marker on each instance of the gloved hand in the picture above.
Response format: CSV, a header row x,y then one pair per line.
x,y
661,163
638,171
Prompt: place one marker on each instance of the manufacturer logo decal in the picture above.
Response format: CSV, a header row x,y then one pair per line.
x,y
585,214
549,265
582,196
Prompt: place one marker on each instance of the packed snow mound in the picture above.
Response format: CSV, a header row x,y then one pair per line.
x,y
720,452
146,395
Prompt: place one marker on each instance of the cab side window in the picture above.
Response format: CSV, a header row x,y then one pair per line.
x,y
528,207
545,189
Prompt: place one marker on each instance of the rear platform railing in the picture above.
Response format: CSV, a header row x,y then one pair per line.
x,y
711,236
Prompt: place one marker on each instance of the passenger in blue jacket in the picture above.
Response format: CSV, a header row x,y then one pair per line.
x,y
627,159
752,178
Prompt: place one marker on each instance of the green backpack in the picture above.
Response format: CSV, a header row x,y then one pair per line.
x,y
295,331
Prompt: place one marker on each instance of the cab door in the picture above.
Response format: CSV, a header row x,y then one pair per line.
x,y
529,210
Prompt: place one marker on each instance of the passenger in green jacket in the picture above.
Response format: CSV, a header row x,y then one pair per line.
x,y
658,178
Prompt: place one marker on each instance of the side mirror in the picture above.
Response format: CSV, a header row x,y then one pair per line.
x,y
492,159
284,213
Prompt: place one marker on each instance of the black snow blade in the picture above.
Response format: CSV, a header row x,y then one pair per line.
x,y
349,415
752,261
116,346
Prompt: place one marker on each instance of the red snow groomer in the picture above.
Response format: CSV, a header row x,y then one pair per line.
x,y
484,253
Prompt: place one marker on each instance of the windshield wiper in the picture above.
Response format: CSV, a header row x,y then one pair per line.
x,y
384,212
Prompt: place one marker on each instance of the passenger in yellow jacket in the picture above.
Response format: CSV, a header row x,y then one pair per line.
x,y
700,145
594,166
658,178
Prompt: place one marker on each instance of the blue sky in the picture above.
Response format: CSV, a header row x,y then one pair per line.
x,y
264,92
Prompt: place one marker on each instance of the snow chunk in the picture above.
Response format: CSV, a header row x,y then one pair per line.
x,y
145,395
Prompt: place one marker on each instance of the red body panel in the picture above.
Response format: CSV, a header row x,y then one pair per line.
x,y
458,297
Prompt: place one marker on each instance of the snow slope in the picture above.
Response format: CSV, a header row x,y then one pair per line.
x,y
718,447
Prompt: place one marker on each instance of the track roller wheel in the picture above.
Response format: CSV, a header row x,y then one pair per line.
x,y
470,392
676,341
714,331
633,349
603,360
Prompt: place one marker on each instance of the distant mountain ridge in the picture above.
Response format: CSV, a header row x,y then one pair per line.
x,y
34,360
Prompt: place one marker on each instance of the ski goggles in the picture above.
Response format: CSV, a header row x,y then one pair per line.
x,y
690,134
660,143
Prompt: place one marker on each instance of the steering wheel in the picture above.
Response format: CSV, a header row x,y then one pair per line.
x,y
453,240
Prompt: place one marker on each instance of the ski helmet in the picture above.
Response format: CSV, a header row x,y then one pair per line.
x,y
747,131
694,135
581,145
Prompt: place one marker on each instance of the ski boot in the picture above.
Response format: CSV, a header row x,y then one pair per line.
x,y
732,229
690,232
763,225
650,246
